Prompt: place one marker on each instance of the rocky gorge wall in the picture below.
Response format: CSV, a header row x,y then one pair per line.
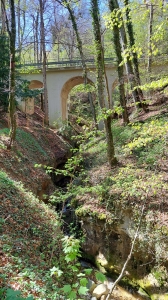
x,y
109,246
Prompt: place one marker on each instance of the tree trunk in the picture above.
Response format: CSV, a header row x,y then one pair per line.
x,y
80,48
129,68
101,80
46,120
18,28
149,38
12,39
36,37
134,54
12,106
120,68
132,41
2,18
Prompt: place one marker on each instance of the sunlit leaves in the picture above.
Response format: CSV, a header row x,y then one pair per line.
x,y
100,276
71,248
82,290
56,271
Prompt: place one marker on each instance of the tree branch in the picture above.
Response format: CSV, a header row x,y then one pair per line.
x,y
129,256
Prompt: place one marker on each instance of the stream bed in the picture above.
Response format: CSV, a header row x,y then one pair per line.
x,y
71,225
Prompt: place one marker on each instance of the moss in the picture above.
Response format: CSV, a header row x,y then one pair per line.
x,y
151,285
102,216
84,211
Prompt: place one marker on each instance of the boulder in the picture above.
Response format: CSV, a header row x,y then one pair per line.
x,y
100,290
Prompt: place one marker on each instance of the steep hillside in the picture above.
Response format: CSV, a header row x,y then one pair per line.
x,y
29,229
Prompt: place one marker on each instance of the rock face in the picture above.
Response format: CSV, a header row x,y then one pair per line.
x,y
110,246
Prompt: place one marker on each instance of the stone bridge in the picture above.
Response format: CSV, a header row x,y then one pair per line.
x,y
64,75
61,78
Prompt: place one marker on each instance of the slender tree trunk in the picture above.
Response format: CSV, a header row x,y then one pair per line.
x,y
80,48
101,80
2,18
132,41
12,106
18,28
12,39
129,68
46,120
134,54
149,38
36,37
120,68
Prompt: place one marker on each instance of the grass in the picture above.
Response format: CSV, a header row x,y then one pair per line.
x,y
29,142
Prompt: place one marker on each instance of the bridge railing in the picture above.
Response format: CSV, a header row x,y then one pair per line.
x,y
64,63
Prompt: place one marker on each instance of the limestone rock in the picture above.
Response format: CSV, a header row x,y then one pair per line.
x,y
100,290
91,285
109,283
93,298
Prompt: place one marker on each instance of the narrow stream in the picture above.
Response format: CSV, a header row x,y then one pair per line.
x,y
72,226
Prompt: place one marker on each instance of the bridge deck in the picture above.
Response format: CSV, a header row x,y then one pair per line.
x,y
64,63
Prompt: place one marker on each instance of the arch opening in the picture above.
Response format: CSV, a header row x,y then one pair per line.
x,y
67,87
35,84
38,99
27,104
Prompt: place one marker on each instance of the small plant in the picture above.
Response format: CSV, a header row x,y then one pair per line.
x,y
70,270
10,294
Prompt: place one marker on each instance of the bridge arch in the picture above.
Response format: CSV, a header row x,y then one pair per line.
x,y
35,84
67,87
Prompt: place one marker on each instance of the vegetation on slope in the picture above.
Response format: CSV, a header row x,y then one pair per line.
x,y
31,251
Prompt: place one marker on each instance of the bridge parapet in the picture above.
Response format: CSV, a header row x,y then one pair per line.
x,y
65,63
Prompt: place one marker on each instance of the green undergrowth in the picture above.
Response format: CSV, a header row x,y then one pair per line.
x,y
141,150
29,142
19,162
30,238
138,180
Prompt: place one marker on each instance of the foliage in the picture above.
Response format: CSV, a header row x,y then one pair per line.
x,y
29,142
23,91
28,246
155,84
15,295
149,142
77,280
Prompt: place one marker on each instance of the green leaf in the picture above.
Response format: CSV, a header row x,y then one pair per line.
x,y
81,275
82,290
15,295
67,288
83,281
75,285
72,295
74,269
56,271
11,294
88,271
100,276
